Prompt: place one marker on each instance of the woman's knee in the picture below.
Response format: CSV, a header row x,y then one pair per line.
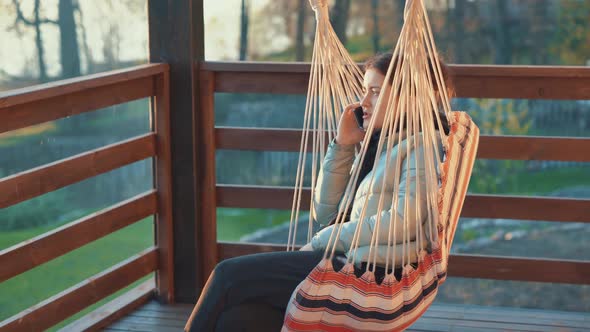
x,y
219,281
228,270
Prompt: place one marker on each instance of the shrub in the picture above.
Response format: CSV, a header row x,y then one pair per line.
x,y
41,211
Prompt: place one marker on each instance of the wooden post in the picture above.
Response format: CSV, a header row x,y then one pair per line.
x,y
206,181
176,37
162,167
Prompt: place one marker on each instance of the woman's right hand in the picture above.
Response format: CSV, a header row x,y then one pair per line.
x,y
349,132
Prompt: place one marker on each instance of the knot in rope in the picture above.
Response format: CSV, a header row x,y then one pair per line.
x,y
315,4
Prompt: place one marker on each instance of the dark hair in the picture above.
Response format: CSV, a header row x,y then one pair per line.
x,y
381,63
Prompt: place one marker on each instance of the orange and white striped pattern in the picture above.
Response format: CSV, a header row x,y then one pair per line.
x,y
329,300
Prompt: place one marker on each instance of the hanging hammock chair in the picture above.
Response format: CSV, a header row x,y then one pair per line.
x,y
335,81
417,242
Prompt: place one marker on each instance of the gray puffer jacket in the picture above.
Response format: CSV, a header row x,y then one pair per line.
x,y
331,184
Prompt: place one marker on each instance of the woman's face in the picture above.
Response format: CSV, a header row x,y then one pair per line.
x,y
371,88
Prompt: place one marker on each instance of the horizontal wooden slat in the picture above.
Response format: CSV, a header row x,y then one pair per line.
x,y
43,248
50,177
261,82
563,72
534,148
507,87
258,139
78,84
80,296
527,208
520,269
477,81
462,70
182,309
259,197
490,147
115,309
124,326
44,110
469,266
256,66
476,206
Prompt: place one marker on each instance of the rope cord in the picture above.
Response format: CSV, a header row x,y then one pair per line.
x,y
412,108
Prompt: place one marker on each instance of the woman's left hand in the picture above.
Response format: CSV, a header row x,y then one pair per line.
x,y
306,247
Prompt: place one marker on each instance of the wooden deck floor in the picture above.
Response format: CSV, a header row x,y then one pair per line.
x,y
155,317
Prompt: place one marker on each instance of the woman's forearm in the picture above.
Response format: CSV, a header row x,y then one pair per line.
x,y
331,182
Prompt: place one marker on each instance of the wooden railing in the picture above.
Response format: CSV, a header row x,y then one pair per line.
x,y
30,106
48,102
471,81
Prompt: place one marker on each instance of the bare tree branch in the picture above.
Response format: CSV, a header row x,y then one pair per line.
x,y
36,24
85,47
20,17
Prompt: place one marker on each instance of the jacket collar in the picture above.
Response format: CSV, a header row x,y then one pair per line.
x,y
374,139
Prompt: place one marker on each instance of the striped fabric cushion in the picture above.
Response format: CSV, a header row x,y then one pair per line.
x,y
329,300
455,175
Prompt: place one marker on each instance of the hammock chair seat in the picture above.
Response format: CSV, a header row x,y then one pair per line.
x,y
330,300
405,214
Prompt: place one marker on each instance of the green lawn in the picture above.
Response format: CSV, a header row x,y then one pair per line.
x,y
234,223
523,182
48,279
550,181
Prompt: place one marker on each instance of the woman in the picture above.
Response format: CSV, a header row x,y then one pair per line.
x,y
251,293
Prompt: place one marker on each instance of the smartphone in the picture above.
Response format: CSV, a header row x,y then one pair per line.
x,y
358,114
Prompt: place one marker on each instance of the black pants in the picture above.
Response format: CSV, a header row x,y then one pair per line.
x,y
251,293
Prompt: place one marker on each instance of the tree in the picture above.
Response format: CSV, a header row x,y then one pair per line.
x,y
503,48
447,30
244,30
375,15
69,53
458,30
541,27
399,11
339,18
36,24
299,46
70,57
571,41
284,20
85,47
